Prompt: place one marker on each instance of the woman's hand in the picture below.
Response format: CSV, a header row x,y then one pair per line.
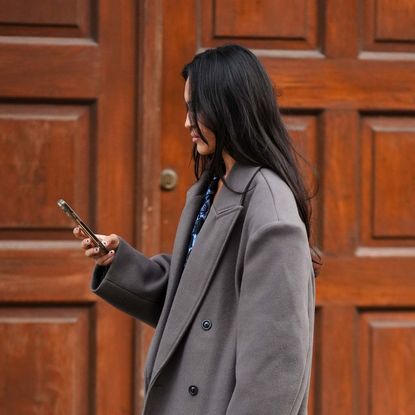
x,y
111,242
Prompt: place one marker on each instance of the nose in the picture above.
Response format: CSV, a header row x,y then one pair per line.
x,y
187,123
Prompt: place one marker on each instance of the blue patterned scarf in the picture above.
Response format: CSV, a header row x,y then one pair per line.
x,y
203,212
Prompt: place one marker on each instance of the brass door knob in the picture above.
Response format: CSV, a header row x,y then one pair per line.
x,y
168,179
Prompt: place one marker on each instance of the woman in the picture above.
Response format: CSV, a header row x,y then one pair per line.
x,y
233,305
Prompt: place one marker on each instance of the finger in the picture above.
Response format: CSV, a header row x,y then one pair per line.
x,y
87,243
106,259
111,241
79,234
93,253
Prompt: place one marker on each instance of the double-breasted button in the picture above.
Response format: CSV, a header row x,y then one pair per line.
x,y
193,390
206,325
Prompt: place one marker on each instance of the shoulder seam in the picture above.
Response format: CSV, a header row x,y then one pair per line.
x,y
272,196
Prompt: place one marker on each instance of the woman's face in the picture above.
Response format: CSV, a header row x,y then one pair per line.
x,y
202,148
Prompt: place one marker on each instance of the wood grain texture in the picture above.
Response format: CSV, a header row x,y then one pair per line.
x,y
339,22
116,148
105,81
45,360
367,281
260,19
176,142
394,20
48,148
47,18
68,121
148,157
314,399
73,68
338,375
359,84
304,130
339,180
388,180
37,12
261,24
334,85
387,25
394,184
386,348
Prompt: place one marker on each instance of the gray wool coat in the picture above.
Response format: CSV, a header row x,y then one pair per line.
x,y
234,328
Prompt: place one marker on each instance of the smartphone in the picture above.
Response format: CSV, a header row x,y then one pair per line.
x,y
86,229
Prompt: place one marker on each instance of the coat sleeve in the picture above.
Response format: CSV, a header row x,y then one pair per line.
x,y
274,323
134,283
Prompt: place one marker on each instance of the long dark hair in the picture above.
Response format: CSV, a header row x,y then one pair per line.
x,y
232,95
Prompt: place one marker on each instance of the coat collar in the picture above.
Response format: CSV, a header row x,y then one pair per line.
x,y
237,179
188,288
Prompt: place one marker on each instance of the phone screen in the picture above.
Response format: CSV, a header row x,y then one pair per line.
x,y
86,229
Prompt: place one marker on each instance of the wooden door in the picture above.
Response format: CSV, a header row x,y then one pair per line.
x,y
67,129
346,74
67,126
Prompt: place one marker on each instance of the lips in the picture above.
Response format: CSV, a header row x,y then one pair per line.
x,y
194,136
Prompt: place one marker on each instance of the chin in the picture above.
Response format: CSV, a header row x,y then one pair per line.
x,y
204,150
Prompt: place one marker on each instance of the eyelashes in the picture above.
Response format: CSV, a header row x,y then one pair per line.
x,y
188,106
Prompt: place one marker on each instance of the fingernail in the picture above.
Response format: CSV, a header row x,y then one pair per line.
x,y
112,252
105,243
96,250
88,241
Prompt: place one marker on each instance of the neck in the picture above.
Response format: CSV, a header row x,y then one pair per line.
x,y
229,162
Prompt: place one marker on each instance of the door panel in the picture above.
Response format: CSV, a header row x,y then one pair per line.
x,y
45,376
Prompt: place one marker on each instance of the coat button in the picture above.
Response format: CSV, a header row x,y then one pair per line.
x,y
206,325
193,390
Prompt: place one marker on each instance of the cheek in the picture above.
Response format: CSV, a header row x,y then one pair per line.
x,y
212,141
210,138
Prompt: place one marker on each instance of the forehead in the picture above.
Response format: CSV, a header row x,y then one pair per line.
x,y
187,90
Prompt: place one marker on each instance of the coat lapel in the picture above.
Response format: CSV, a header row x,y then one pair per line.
x,y
193,200
189,289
